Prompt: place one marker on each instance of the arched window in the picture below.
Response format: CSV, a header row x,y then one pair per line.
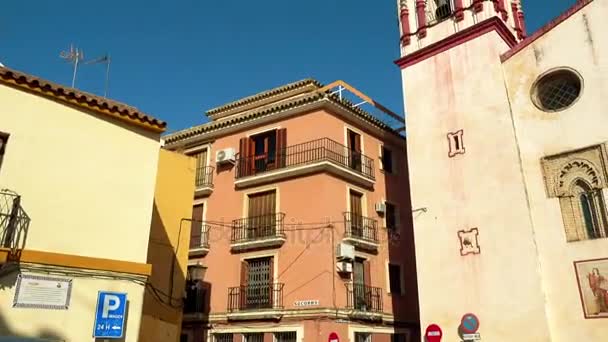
x,y
591,209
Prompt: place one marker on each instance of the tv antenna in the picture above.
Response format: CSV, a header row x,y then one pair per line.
x,y
103,59
73,56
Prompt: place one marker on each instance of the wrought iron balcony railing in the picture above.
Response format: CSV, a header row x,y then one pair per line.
x,y
257,227
438,10
14,221
204,177
255,297
360,227
323,149
362,297
199,237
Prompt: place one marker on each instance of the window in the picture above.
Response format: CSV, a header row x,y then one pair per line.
x,y
261,215
363,337
394,278
578,179
196,229
399,337
222,338
257,337
262,152
257,282
387,160
556,90
3,142
455,143
183,338
202,173
289,336
353,141
391,217
195,297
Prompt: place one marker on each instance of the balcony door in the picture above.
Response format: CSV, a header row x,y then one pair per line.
x,y
196,229
258,279
261,215
361,284
262,152
356,213
354,149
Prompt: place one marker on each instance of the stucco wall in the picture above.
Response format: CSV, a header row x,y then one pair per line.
x,y
576,43
77,322
308,203
86,182
463,88
168,247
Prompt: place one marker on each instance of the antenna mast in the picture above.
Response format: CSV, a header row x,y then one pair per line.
x,y
103,59
73,56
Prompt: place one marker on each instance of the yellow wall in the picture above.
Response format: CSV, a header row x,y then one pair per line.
x,y
172,203
86,182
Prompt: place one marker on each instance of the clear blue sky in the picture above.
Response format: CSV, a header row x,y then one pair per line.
x,y
175,59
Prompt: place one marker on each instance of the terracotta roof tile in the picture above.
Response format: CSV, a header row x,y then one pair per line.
x,y
80,98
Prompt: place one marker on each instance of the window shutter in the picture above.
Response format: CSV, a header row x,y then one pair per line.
x,y
281,147
357,143
244,281
244,157
271,281
196,227
367,280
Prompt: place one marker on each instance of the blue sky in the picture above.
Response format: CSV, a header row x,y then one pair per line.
x,y
175,59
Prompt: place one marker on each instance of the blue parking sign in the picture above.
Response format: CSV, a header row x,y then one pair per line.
x,y
110,314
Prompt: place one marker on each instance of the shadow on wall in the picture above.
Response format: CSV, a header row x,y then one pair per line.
x,y
402,251
7,334
164,295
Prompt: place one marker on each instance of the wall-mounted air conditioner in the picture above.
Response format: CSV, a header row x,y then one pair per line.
x,y
227,155
345,251
344,267
380,207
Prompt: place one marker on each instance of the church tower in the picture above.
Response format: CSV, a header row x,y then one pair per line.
x,y
475,246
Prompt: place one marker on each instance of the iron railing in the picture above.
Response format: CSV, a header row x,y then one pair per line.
x,y
257,227
362,297
195,298
323,149
199,237
360,227
255,297
204,176
14,221
438,10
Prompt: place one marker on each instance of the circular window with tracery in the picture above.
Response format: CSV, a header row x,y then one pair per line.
x,y
557,90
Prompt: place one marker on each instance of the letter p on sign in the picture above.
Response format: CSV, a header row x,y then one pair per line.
x,y
110,303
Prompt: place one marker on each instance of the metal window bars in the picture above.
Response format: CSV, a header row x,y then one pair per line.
x,y
257,227
255,297
204,176
14,221
360,227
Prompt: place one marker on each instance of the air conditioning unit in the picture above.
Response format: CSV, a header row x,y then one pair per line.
x,y
380,207
345,251
227,155
344,267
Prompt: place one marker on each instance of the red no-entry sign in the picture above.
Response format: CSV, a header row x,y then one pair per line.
x,y
333,337
433,333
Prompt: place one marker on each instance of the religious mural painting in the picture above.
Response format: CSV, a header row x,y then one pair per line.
x,y
592,277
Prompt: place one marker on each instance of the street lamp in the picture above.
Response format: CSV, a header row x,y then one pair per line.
x,y
196,272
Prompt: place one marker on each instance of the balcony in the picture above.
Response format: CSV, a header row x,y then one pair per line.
x,y
204,181
255,301
361,231
364,301
14,221
194,302
256,232
199,242
321,155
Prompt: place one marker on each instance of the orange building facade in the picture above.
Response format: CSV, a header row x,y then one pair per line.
x,y
301,221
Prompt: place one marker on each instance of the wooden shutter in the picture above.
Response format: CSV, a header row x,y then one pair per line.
x,y
244,281
281,147
271,281
197,226
367,275
245,162
357,146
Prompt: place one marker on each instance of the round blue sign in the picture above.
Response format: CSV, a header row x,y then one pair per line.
x,y
469,323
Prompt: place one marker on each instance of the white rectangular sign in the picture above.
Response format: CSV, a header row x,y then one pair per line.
x,y
309,302
471,337
42,292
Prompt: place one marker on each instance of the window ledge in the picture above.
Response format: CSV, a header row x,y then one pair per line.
x,y
205,190
303,170
260,314
365,315
268,242
199,251
362,243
